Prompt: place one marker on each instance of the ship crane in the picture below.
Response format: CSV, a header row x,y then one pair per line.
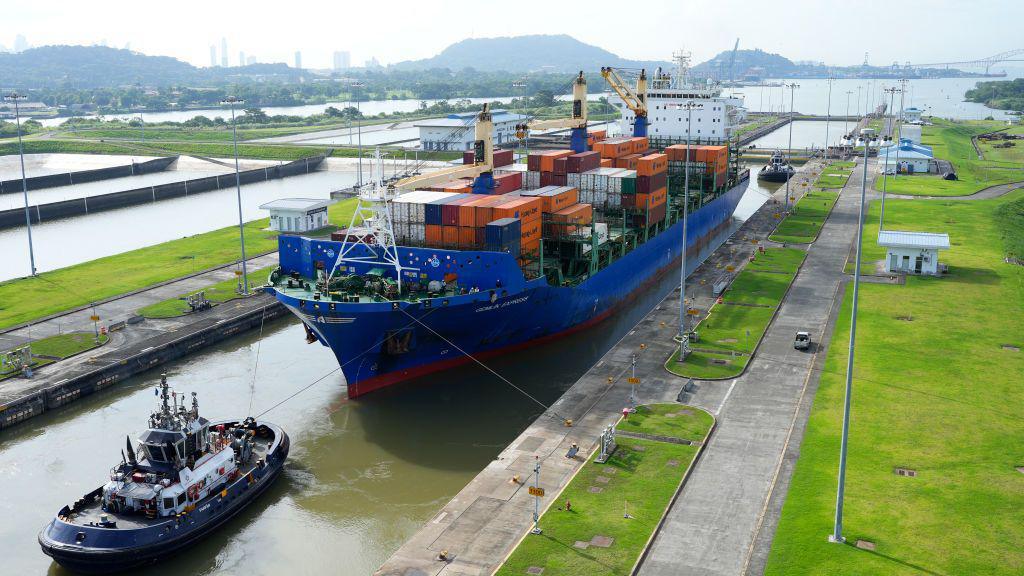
x,y
635,99
577,123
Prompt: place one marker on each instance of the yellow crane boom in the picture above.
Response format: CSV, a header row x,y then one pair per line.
x,y
483,147
635,99
577,122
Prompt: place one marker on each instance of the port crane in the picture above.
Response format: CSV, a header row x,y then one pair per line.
x,y
480,170
635,99
577,123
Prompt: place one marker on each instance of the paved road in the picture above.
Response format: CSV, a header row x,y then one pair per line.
x,y
713,528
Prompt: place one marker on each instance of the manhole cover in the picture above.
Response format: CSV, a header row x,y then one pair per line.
x,y
602,479
581,545
601,541
595,490
534,570
1011,347
905,472
865,545
672,463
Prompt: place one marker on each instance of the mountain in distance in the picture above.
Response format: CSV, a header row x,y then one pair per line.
x,y
531,53
771,65
101,66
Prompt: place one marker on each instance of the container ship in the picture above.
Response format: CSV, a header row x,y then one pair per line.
x,y
493,256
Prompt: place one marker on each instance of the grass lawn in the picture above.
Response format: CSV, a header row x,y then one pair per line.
x,y
731,330
834,175
952,141
26,299
216,293
934,391
641,482
805,221
60,346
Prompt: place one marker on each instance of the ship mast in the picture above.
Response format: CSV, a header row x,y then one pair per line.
x,y
373,211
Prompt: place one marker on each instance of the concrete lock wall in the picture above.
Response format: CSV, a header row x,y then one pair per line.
x,y
82,176
54,210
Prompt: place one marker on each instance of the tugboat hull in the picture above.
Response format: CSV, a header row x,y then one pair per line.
x,y
775,176
93,549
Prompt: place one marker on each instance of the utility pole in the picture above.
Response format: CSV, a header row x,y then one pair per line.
x,y
903,91
828,114
846,120
359,128
837,531
15,97
792,94
684,325
536,496
885,167
231,101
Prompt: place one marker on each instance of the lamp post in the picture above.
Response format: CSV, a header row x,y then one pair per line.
x,y
846,119
837,531
885,167
359,129
15,97
792,93
903,91
232,101
684,328
828,114
859,89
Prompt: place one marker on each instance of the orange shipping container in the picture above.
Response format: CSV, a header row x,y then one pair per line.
x,y
639,144
614,148
607,163
628,162
599,134
556,202
577,214
652,200
531,247
433,232
651,164
450,235
467,236
518,207
530,232
547,161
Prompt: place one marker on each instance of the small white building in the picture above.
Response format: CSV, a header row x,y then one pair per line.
x,y
912,252
906,158
297,214
458,131
912,115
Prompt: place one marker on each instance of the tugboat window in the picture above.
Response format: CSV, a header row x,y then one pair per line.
x,y
168,503
181,499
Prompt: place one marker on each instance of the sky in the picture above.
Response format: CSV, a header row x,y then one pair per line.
x,y
836,32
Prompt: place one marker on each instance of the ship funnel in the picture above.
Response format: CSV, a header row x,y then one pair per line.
x,y
131,452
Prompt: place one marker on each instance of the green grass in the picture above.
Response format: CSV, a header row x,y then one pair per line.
x,y
730,331
642,483
216,293
27,299
59,347
834,175
934,392
652,419
952,141
1010,219
808,216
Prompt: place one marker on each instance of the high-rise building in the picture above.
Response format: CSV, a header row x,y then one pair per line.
x,y
250,60
241,58
342,60
373,62
224,52
20,44
213,55
298,59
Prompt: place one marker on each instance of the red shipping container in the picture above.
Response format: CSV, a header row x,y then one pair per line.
x,y
505,183
583,161
533,162
561,165
502,158
468,157
559,179
645,184
547,179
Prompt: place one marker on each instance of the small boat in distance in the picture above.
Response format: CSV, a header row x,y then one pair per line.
x,y
777,169
187,477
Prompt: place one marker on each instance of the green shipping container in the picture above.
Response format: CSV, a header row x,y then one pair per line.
x,y
629,185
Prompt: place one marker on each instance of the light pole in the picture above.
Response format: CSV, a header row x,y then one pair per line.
x,y
359,129
846,119
903,91
792,93
14,97
859,89
837,531
232,101
885,167
828,114
684,328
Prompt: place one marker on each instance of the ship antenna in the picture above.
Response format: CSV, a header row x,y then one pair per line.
x,y
163,393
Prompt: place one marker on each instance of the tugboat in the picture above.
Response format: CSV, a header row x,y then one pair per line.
x,y
187,477
777,169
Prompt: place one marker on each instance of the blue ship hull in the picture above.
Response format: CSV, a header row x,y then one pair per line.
x,y
381,343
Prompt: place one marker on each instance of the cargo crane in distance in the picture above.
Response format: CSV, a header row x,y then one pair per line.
x,y
577,123
635,99
481,170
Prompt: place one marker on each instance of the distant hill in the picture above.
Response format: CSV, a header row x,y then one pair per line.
x,y
100,66
539,52
773,65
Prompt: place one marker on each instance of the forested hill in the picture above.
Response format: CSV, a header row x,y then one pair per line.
x,y
533,53
1002,95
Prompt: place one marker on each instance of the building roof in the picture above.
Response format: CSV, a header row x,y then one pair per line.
x,y
907,151
919,240
295,204
469,119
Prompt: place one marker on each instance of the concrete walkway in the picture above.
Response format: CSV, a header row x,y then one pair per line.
x,y
727,504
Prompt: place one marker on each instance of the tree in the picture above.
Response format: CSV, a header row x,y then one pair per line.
x,y
254,116
543,99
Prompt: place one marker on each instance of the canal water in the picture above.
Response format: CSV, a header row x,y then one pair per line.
x,y
363,475
806,134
